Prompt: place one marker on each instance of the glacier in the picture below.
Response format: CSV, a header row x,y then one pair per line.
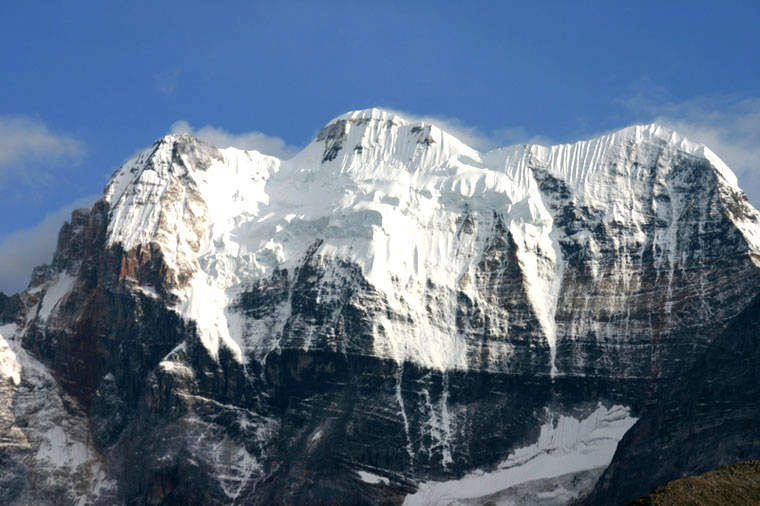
x,y
387,195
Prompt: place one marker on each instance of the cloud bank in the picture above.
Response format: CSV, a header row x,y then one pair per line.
x,y
730,127
27,143
267,144
166,82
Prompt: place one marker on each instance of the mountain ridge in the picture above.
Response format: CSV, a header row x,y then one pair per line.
x,y
351,324
357,193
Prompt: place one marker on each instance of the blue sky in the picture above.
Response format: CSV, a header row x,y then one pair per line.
x,y
86,84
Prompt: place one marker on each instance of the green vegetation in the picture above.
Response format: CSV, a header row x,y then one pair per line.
x,y
735,485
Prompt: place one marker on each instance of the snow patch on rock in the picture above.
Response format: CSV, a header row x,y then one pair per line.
x,y
54,294
47,430
565,445
10,368
372,479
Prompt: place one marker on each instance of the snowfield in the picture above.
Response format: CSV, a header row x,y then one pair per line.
x,y
387,195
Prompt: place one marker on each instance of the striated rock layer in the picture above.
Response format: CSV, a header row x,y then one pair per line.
x,y
388,308
707,419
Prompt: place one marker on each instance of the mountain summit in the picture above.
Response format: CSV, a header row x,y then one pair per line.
x,y
379,317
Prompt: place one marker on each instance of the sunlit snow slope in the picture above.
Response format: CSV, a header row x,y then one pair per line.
x,y
526,258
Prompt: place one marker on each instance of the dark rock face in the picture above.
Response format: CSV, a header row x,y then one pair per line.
x,y
674,290
9,307
293,430
705,419
101,325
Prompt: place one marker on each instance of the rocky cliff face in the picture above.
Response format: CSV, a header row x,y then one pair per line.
x,y
706,419
388,316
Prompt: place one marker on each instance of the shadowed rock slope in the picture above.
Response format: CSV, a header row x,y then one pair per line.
x,y
708,418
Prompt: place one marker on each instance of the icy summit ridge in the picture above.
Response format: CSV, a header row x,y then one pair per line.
x,y
391,197
388,136
361,123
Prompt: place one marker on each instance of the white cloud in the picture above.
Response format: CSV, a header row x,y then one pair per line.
x,y
729,126
23,250
482,140
166,82
26,143
221,138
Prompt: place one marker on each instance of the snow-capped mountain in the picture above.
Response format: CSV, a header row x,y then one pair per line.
x,y
387,311
415,211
